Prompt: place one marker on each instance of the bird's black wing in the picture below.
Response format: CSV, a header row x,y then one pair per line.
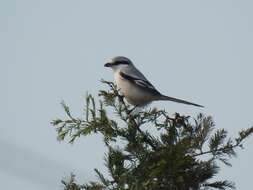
x,y
141,83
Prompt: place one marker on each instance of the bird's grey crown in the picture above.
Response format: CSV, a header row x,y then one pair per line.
x,y
121,60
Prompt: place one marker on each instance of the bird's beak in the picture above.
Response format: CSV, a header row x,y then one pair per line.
x,y
108,65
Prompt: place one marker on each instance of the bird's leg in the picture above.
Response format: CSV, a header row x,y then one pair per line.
x,y
121,98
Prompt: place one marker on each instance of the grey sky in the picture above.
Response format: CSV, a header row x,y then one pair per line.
x,y
55,49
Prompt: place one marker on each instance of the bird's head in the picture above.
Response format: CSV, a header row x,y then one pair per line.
x,y
118,62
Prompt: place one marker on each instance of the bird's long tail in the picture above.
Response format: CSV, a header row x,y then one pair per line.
x,y
179,101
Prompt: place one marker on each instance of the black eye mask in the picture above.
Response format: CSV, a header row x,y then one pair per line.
x,y
116,63
120,63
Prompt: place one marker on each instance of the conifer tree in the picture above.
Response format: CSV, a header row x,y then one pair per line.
x,y
180,153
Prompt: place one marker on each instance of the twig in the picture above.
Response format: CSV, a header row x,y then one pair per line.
x,y
217,150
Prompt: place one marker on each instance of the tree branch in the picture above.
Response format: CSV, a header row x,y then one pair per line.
x,y
217,150
145,137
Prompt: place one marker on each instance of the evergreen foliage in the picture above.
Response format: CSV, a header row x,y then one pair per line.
x,y
183,153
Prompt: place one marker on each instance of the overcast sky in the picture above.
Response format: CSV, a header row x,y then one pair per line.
x,y
54,50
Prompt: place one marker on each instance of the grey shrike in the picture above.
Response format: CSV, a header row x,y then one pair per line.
x,y
134,86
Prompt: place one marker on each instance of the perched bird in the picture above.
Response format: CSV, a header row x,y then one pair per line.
x,y
134,86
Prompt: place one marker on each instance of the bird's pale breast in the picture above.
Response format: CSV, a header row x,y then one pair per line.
x,y
133,94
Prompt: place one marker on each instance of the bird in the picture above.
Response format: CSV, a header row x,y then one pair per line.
x,y
134,86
